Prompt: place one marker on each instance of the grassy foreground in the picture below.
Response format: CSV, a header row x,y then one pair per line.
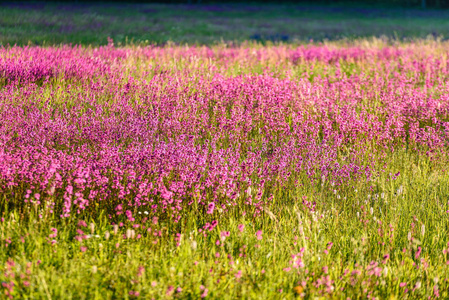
x,y
225,172
387,242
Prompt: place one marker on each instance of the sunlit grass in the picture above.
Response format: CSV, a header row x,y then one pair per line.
x,y
382,224
319,230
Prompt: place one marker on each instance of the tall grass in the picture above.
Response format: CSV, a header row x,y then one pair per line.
x,y
245,172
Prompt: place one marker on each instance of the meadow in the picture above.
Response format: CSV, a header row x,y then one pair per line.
x,y
222,172
153,151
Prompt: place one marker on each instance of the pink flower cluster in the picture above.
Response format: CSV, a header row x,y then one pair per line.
x,y
84,127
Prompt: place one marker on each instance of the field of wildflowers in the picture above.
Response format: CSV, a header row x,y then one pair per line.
x,y
252,171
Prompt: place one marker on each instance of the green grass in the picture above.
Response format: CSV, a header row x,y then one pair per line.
x,y
91,24
364,222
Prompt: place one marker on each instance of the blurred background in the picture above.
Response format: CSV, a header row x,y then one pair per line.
x,y
204,22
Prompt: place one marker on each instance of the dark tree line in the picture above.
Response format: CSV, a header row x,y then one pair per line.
x,y
388,3
396,3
